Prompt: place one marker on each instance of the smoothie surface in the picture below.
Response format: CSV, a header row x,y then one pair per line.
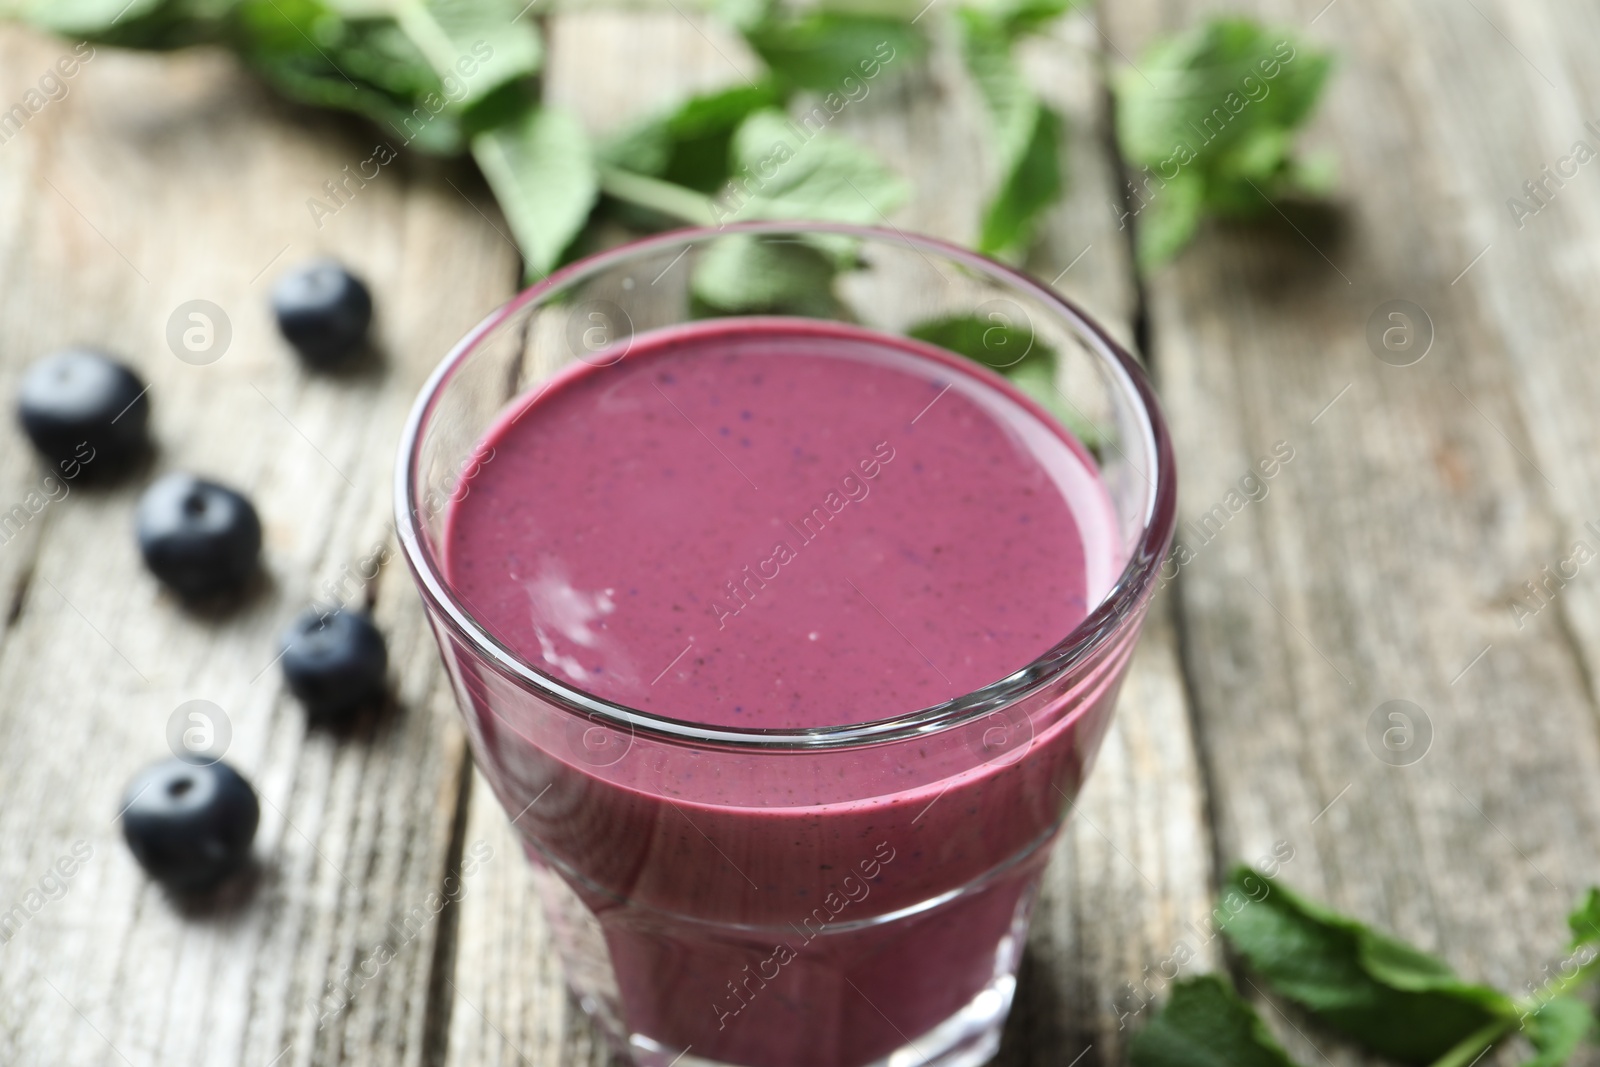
x,y
778,523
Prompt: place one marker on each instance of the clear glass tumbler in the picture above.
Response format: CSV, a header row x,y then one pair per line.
x,y
863,896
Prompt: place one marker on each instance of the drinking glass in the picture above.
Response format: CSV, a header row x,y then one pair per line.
x,y
861,897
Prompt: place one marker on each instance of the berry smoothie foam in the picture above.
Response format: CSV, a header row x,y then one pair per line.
x,y
784,525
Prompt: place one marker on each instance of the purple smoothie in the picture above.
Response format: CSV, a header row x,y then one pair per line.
x,y
775,523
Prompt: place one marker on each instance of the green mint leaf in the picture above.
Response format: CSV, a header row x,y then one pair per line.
x,y
746,274
1585,919
779,168
150,24
1026,135
543,174
1037,381
312,55
1205,1024
1030,16
832,52
1557,1029
476,47
1193,88
1315,173
1029,190
1394,999
1015,352
1219,105
1012,105
1021,17
742,14
690,145
782,169
1169,222
993,341
92,19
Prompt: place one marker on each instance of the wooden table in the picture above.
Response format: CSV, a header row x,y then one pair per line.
x,y
1385,563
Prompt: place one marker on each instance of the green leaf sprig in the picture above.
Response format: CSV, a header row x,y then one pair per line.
x,y
454,76
768,151
1013,351
1379,992
1206,122
1209,117
1206,1024
439,76
1027,134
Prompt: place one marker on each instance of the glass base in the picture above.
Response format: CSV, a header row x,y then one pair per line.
x,y
968,1038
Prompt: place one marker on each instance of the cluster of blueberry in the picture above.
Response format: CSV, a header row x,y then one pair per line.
x,y
190,823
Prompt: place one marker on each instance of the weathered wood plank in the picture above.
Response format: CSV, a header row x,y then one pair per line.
x,y
1391,548
1135,864
510,1001
156,181
1132,876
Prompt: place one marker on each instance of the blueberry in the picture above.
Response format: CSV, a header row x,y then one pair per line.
x,y
200,538
323,311
81,406
334,664
188,824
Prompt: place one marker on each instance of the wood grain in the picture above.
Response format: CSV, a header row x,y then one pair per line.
x,y
1131,877
1384,563
156,181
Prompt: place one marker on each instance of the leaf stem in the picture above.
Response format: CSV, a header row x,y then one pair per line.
x,y
657,195
1474,1044
418,23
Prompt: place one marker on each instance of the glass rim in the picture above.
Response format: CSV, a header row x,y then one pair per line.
x,y
1115,611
